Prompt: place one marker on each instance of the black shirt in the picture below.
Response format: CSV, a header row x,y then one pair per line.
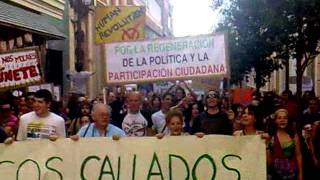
x,y
116,114
3,135
309,118
212,123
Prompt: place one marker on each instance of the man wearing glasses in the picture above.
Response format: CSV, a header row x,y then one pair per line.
x,y
213,120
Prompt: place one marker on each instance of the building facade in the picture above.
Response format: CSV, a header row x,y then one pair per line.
x,y
310,80
40,23
52,25
158,24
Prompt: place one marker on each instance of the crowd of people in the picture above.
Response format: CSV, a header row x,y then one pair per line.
x,y
291,130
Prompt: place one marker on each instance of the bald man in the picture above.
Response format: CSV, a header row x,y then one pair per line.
x,y
134,123
100,126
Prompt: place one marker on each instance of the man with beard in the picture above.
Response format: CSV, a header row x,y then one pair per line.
x,y
213,120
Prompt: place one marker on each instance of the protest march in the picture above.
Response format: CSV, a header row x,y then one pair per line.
x,y
104,90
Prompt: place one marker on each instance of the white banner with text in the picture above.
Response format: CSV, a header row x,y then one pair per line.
x,y
182,157
154,60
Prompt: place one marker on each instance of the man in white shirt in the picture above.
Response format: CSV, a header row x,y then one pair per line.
x,y
159,118
134,123
41,123
79,80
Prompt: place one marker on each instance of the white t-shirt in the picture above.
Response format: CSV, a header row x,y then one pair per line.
x,y
159,122
135,125
79,80
32,126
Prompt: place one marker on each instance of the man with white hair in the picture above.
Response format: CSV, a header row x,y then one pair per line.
x,y
100,126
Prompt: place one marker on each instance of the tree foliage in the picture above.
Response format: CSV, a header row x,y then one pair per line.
x,y
249,40
298,34
265,33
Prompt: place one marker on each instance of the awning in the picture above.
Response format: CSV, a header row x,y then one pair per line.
x,y
16,17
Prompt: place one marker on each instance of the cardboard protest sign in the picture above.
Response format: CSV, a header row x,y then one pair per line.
x,y
206,84
242,95
20,68
33,88
183,157
119,23
170,59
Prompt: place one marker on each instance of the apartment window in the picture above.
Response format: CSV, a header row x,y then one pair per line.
x,y
141,2
169,22
154,10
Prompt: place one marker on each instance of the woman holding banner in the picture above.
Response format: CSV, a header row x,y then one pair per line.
x,y
284,154
174,122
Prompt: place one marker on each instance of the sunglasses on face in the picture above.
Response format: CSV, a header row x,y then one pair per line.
x,y
212,95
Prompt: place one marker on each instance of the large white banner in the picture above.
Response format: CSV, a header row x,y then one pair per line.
x,y
179,58
177,158
19,68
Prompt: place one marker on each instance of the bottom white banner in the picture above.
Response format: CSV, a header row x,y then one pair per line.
x,y
183,157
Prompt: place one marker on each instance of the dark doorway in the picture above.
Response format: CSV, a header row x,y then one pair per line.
x,y
54,69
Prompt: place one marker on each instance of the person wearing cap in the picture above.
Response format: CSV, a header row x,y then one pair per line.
x,y
213,120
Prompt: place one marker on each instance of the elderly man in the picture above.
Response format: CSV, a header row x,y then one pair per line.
x,y
135,123
100,126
